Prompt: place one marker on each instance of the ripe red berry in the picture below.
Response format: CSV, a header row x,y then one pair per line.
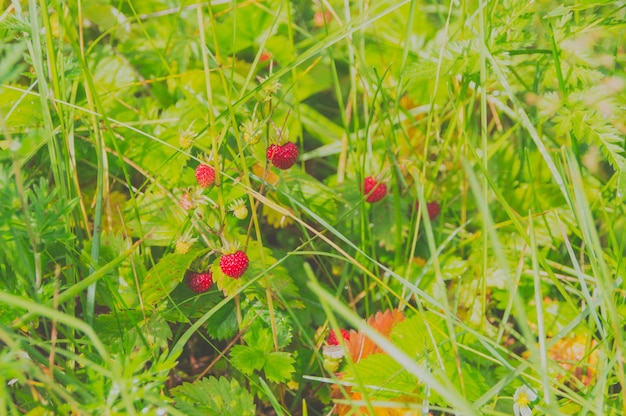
x,y
199,282
235,264
283,157
205,175
432,208
374,190
332,337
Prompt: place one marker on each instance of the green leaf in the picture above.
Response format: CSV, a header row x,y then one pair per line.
x,y
247,358
167,273
214,397
278,279
259,338
249,22
409,335
223,324
186,305
258,318
383,371
159,215
226,284
10,56
318,197
279,366
470,379
108,18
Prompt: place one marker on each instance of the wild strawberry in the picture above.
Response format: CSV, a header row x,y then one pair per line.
x,y
205,175
199,282
234,264
433,208
184,243
239,209
332,337
269,88
265,56
283,157
185,138
251,130
374,190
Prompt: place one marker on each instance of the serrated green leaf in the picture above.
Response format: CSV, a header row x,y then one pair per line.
x,y
385,225
259,337
223,324
186,304
258,318
470,379
382,371
319,198
167,273
409,335
278,279
211,396
279,366
247,358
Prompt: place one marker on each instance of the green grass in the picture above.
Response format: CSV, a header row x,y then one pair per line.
x,y
509,115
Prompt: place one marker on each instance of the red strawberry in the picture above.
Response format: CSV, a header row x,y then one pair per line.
x,y
374,190
199,282
332,337
283,157
205,175
235,264
432,208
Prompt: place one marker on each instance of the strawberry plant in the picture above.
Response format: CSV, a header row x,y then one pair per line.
x,y
327,207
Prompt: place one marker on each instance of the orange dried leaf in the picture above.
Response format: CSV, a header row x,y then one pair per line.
x,y
359,346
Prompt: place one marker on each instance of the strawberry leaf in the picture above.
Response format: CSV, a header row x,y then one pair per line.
x,y
279,366
282,285
260,338
223,324
166,275
382,370
247,358
212,396
408,335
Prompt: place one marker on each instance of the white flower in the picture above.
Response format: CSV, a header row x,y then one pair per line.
x,y
521,399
